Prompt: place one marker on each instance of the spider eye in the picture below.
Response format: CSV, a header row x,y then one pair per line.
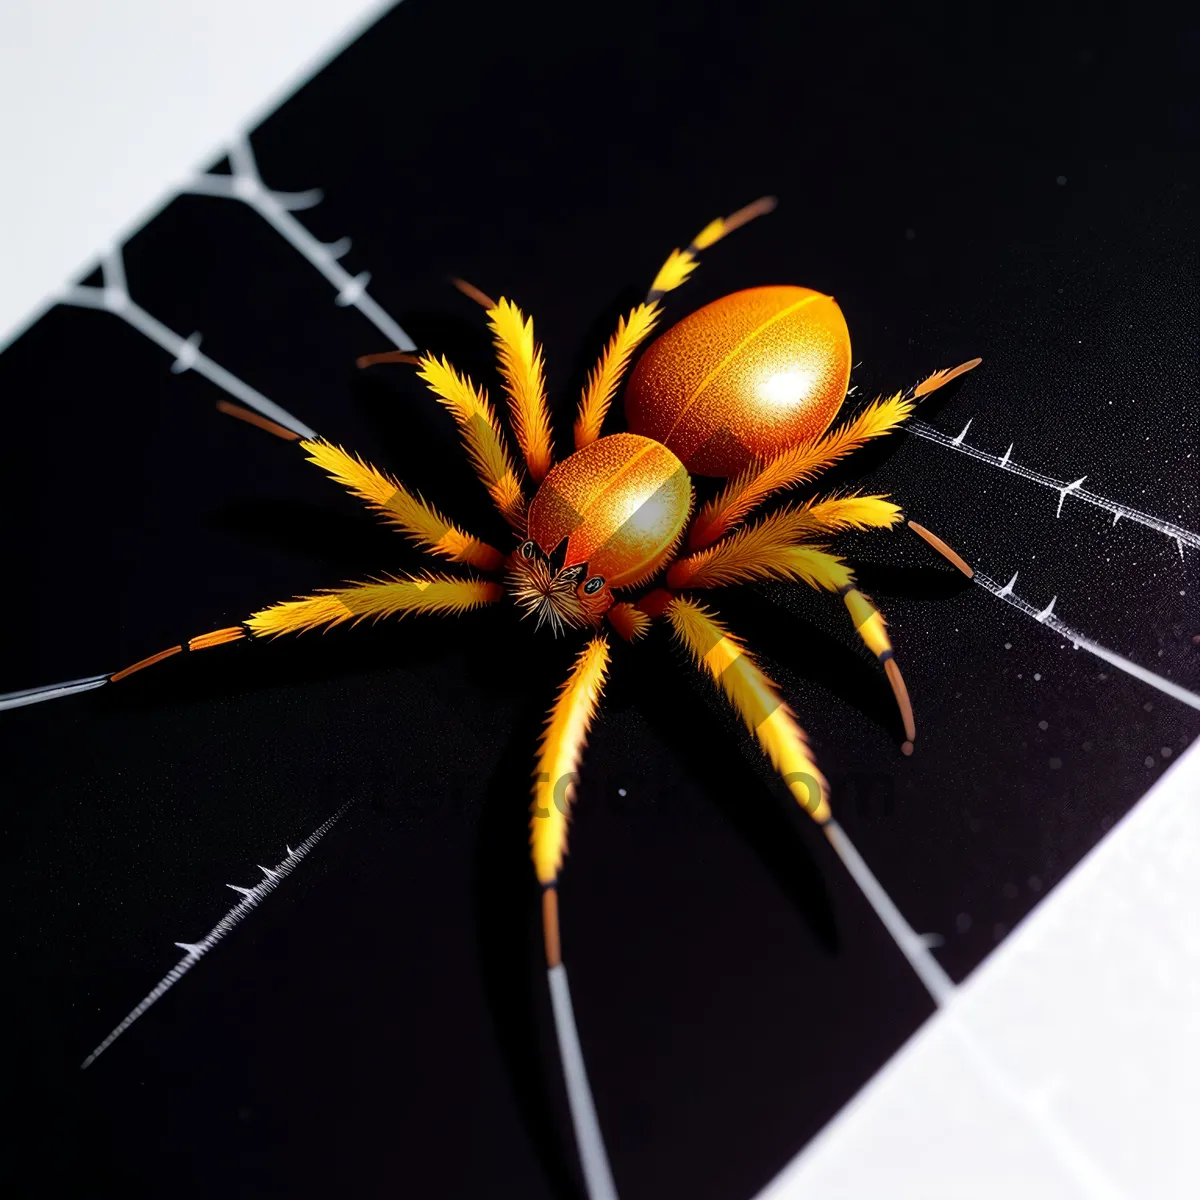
x,y
527,550
593,585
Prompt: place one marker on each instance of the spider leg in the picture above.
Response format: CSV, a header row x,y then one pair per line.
x,y
440,594
389,597
484,440
417,519
522,367
803,463
767,550
632,330
553,792
681,263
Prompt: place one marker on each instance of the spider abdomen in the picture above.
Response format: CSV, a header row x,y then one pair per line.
x,y
743,378
621,503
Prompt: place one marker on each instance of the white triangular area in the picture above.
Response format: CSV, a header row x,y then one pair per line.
x,y
1065,1066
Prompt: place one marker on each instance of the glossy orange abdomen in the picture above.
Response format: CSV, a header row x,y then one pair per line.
x,y
621,502
743,378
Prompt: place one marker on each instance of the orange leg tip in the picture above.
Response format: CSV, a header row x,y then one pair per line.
x,y
945,551
760,208
629,621
388,356
471,291
257,420
906,749
145,662
550,935
900,691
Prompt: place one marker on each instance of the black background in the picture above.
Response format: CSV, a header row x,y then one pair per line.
x,y
965,181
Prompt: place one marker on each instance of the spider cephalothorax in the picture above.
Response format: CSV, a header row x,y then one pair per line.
x,y
554,596
609,516
747,390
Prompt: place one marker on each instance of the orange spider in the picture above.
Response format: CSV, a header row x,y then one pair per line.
x,y
745,389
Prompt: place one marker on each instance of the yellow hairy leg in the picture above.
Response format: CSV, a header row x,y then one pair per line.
x,y
417,519
761,551
753,695
803,463
742,558
799,465
681,263
605,377
523,368
441,594
558,758
481,433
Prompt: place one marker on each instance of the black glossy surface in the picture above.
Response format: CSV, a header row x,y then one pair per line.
x,y
964,184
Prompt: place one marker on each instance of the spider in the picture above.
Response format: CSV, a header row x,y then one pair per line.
x,y
746,389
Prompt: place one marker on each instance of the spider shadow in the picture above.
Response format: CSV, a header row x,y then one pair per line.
x,y
348,541
834,657
420,441
505,899
751,801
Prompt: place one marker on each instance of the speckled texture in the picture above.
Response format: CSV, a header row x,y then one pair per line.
x,y
622,502
741,378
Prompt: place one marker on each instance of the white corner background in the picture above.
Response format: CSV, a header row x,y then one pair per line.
x,y
106,105
1068,1065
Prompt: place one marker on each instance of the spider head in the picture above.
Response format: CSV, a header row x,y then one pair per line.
x,y
554,593
608,516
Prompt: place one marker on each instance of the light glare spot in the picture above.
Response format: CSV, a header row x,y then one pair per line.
x,y
788,388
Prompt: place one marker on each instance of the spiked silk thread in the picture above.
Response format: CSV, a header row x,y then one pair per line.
x,y
558,757
798,465
416,518
760,551
605,377
380,598
481,433
523,368
753,694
